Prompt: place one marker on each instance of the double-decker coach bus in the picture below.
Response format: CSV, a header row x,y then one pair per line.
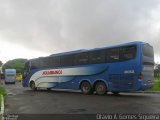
x,y
122,68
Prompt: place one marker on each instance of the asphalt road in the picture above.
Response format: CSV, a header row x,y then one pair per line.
x,y
21,100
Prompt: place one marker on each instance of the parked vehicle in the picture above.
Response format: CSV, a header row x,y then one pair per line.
x,y
10,76
122,68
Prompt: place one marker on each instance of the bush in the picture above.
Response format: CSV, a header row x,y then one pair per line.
x,y
2,91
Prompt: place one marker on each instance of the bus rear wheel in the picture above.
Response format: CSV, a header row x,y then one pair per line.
x,y
100,88
33,86
86,87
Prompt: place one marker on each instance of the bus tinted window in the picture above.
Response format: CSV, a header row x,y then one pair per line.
x,y
35,64
49,62
97,57
112,55
81,59
67,60
121,54
127,53
45,62
55,62
147,50
118,54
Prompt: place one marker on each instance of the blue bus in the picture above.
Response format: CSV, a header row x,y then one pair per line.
x,y
122,68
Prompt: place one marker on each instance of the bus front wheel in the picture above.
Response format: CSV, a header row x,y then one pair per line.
x,y
100,88
33,86
86,87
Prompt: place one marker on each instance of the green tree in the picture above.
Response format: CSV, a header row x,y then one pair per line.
x,y
157,70
17,64
1,63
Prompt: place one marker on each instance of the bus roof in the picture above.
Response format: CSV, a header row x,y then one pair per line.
x,y
87,50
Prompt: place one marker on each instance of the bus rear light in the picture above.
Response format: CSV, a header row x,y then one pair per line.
x,y
140,77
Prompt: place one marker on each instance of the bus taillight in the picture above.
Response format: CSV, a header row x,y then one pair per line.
x,y
140,76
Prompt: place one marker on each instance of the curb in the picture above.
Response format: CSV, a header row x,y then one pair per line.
x,y
2,107
155,92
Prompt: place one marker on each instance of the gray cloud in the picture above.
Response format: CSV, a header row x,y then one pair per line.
x,y
60,25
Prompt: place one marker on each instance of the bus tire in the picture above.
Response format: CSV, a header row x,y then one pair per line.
x,y
100,88
86,88
33,86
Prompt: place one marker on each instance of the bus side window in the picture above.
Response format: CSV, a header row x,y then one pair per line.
x,y
35,64
44,63
67,60
81,59
127,53
97,57
112,55
55,62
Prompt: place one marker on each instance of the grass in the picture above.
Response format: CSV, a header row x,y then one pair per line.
x,y
2,92
156,85
156,78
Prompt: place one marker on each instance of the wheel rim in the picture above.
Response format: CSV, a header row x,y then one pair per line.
x,y
101,89
85,88
32,85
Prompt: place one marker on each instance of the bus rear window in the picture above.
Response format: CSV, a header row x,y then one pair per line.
x,y
147,50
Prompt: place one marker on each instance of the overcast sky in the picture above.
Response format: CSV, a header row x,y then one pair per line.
x,y
33,28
